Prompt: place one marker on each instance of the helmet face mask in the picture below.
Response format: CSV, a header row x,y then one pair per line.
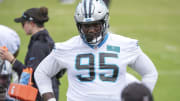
x,y
92,33
91,18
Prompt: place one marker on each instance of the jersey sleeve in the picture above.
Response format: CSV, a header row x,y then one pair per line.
x,y
144,66
49,67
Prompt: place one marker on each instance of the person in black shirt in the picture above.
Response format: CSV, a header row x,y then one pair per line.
x,y
40,44
136,92
107,2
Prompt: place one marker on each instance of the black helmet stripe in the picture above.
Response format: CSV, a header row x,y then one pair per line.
x,y
90,8
85,9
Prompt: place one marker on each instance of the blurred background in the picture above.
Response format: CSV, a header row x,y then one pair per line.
x,y
155,23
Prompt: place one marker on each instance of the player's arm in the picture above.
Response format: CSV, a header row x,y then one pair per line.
x,y
45,70
144,66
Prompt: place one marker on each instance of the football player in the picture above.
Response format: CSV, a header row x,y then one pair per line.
x,y
10,39
96,60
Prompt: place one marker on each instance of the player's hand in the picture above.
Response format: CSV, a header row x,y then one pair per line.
x,y
6,55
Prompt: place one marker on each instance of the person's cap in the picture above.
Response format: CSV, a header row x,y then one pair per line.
x,y
28,15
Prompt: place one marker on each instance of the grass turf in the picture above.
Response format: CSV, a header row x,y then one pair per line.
x,y
154,23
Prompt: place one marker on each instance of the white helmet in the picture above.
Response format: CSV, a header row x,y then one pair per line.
x,y
92,11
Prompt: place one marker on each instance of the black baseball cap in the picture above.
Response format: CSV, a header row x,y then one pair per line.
x,y
31,14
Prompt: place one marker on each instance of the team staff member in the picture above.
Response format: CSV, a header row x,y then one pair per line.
x,y
96,60
40,45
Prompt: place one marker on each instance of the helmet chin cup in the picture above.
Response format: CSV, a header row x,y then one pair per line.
x,y
96,40
89,37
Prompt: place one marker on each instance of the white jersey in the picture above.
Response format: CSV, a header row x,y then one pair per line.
x,y
95,74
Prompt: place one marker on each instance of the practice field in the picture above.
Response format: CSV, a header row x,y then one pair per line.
x,y
155,23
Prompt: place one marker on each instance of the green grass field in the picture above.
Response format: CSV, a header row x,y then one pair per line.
x,y
155,23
